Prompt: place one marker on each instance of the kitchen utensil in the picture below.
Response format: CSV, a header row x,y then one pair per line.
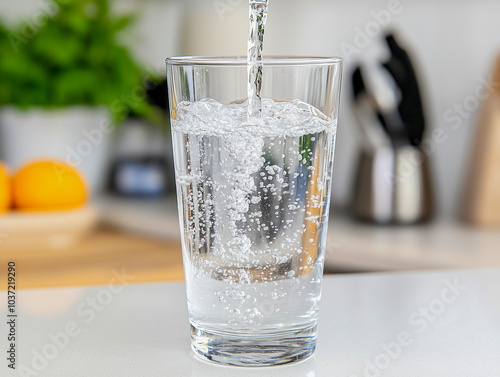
x,y
393,182
482,196
400,67
390,189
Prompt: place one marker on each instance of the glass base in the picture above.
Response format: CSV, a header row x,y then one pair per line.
x,y
274,348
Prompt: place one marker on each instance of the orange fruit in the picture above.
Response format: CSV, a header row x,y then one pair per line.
x,y
48,185
5,190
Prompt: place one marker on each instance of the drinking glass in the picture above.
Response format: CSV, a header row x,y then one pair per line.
x,y
253,200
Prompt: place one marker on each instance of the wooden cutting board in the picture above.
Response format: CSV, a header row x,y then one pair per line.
x,y
482,196
53,230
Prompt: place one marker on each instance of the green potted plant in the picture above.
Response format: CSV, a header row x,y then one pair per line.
x,y
64,86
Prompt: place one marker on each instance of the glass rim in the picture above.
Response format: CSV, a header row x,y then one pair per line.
x,y
240,61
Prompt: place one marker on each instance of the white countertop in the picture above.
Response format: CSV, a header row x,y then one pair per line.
x,y
142,330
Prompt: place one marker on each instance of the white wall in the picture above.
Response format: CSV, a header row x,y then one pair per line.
x,y
454,42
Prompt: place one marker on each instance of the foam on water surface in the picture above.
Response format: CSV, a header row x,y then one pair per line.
x,y
278,119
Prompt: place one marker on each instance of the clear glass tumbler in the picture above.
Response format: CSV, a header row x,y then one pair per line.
x,y
253,197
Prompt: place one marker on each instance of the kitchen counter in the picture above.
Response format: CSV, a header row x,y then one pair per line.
x,y
405,324
89,262
351,246
437,245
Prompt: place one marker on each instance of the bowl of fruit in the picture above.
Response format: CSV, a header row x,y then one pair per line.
x,y
43,206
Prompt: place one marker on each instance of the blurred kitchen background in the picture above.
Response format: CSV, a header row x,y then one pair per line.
x,y
130,221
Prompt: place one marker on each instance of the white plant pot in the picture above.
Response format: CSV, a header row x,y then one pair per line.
x,y
77,135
